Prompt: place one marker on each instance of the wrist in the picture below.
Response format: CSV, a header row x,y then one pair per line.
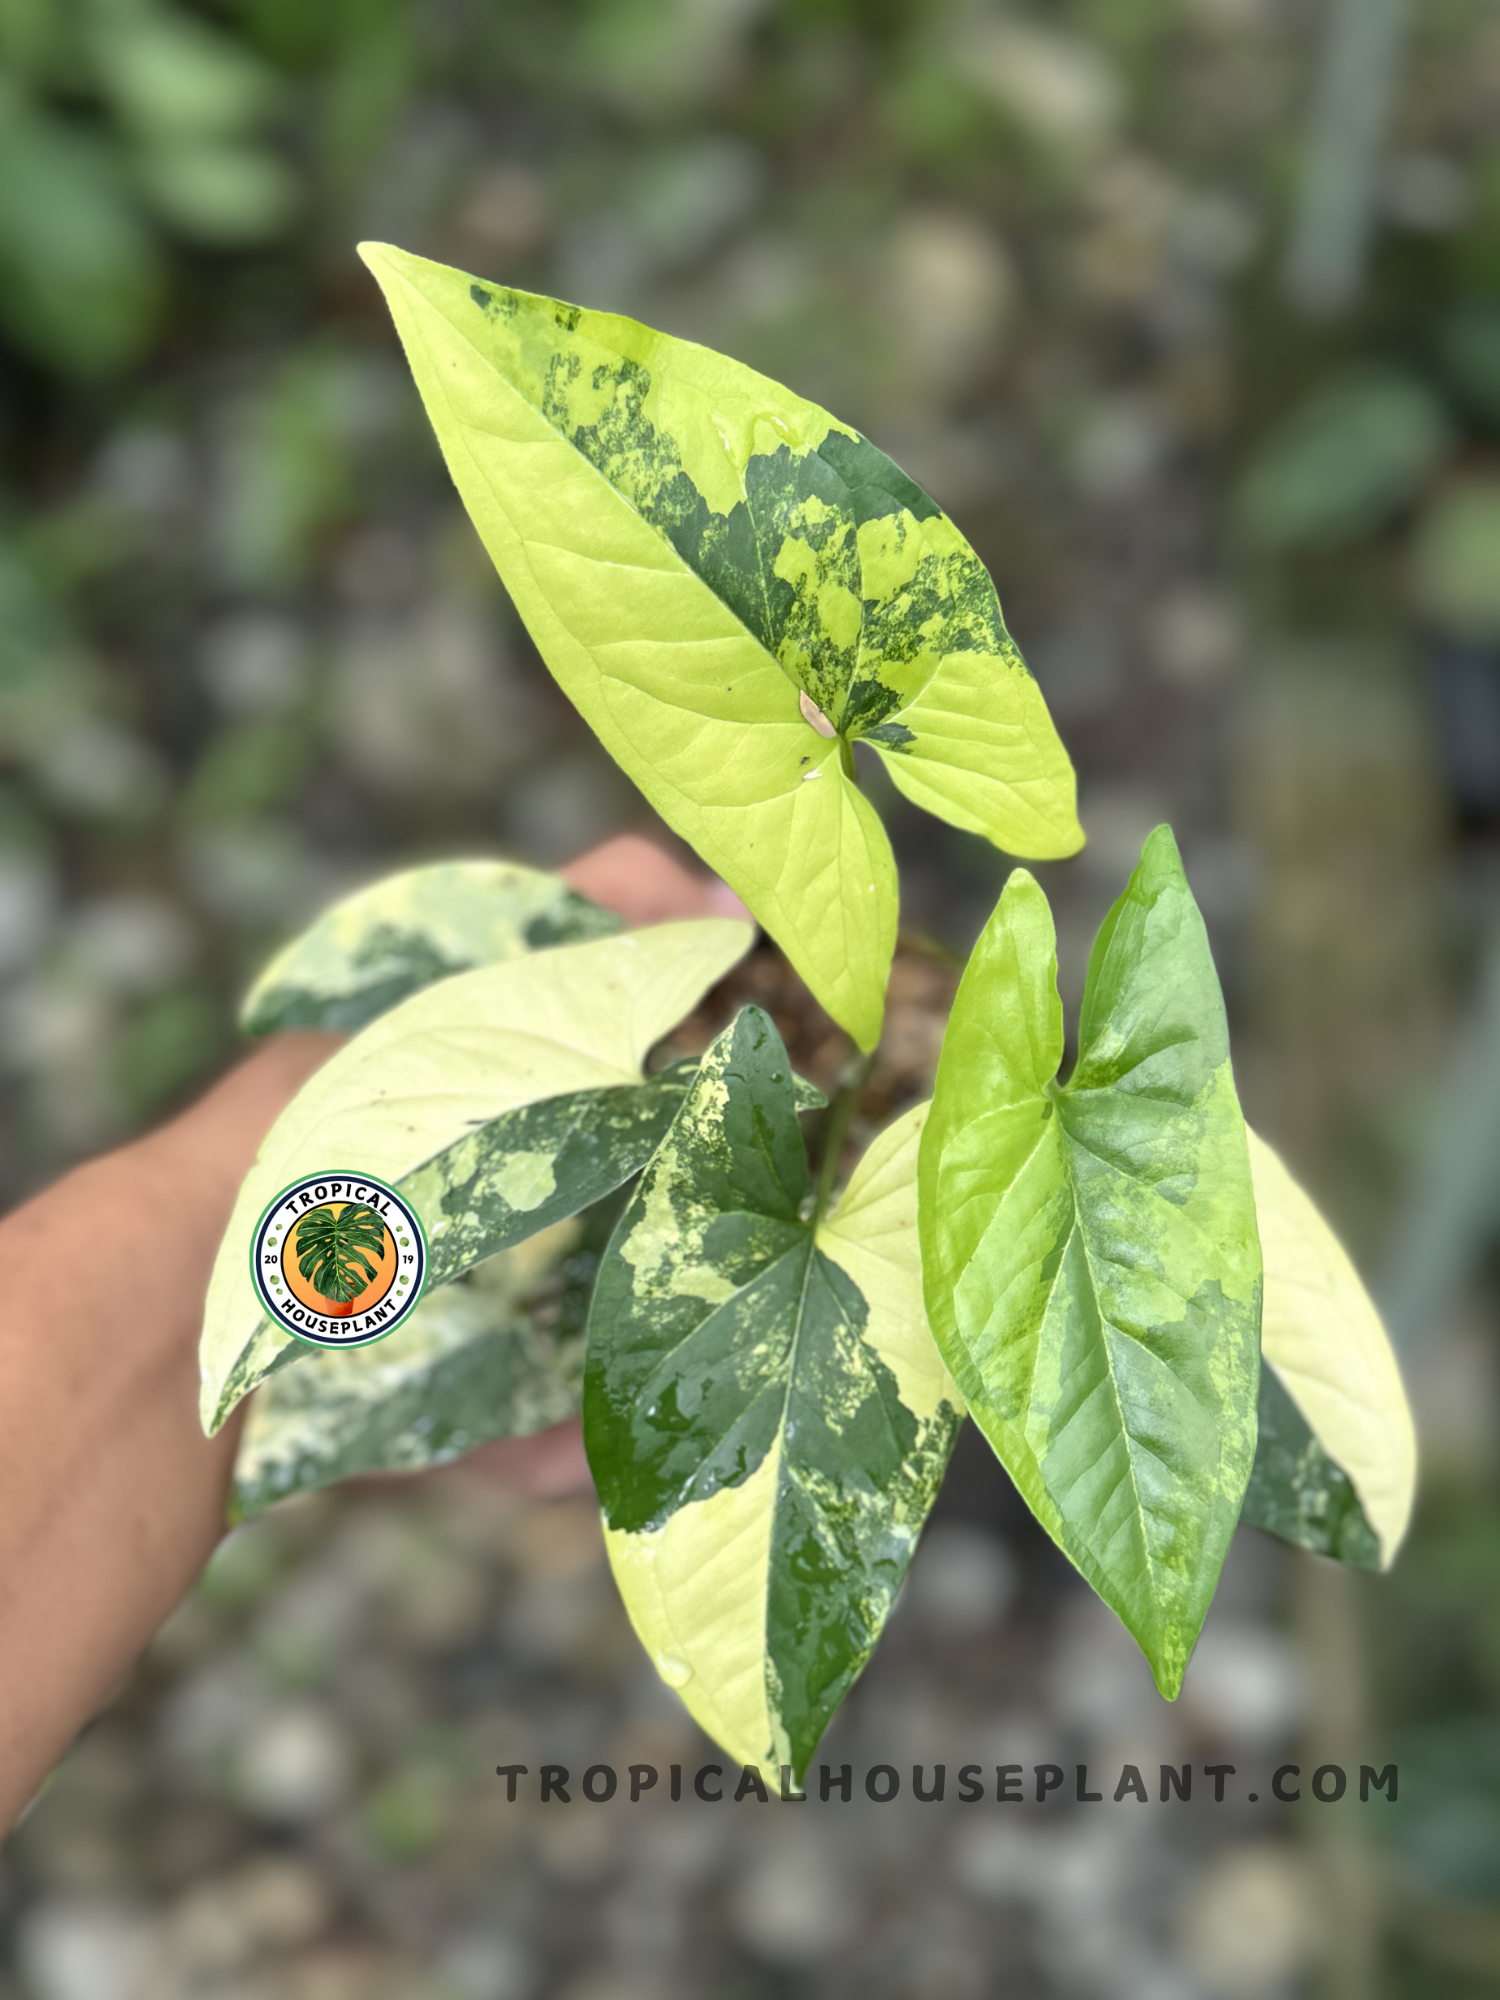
x,y
220,1134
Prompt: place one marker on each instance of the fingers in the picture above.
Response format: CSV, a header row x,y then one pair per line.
x,y
646,885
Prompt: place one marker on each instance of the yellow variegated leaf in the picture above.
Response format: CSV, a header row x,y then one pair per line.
x,y
451,1059
733,587
766,1414
872,1234
1322,1336
475,1361
384,942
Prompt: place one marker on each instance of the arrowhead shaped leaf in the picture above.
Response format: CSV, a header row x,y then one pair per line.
x,y
1336,1466
766,1416
1089,1250
425,1079
695,550
390,940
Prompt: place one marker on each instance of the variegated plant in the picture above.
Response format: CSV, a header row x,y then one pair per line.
x,y
734,588
1142,1311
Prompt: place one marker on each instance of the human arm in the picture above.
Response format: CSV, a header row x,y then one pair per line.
x,y
111,1498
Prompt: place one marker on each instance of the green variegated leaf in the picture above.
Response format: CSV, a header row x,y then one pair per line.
x,y
1336,1467
392,939
528,1168
425,1079
733,587
1089,1250
765,1413
475,1361
1296,1490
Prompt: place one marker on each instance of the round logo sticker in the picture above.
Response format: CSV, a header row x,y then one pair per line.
x,y
339,1259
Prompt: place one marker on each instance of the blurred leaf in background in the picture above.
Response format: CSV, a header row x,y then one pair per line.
x,y
192,103
116,115
1456,560
41,679
1344,462
290,460
1470,345
81,276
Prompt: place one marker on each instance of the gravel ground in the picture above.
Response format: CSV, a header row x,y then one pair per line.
x,y
295,1796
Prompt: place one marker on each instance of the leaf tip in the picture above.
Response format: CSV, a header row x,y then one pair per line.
x,y
386,262
1020,882
1168,1661
866,1026
1068,838
1161,857
1022,897
1159,872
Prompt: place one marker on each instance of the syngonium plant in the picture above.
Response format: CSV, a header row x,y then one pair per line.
x,y
1123,1286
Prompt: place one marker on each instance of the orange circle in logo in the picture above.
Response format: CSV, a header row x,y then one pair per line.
x,y
385,1268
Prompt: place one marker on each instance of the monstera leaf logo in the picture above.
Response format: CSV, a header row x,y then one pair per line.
x,y
331,1251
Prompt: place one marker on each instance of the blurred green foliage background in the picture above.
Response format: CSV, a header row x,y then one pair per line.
x,y
1245,524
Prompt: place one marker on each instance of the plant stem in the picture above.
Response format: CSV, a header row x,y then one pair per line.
x,y
853,1076
846,760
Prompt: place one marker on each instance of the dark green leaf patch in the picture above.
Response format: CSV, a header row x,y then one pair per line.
x,y
785,559
1296,1490
520,1173
498,1354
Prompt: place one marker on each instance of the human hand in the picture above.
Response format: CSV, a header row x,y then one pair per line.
x,y
111,1498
